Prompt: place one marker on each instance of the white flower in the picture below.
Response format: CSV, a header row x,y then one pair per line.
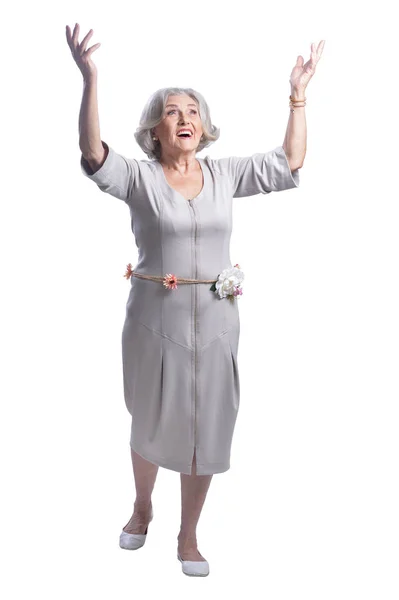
x,y
229,282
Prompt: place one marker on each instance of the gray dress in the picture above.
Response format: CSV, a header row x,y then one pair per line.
x,y
179,347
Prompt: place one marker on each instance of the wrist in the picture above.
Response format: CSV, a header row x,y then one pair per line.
x,y
298,93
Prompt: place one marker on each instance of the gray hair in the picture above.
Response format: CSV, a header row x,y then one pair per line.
x,y
153,113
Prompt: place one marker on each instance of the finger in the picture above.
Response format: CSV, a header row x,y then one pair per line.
x,y
315,54
83,44
69,37
311,56
92,49
75,36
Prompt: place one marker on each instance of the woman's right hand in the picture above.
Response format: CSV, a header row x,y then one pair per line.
x,y
81,56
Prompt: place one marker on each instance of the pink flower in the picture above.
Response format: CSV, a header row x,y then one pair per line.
x,y
170,281
129,271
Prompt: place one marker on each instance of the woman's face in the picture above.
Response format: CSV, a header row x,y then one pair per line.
x,y
181,112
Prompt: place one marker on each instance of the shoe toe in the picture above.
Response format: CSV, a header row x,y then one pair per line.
x,y
131,541
194,568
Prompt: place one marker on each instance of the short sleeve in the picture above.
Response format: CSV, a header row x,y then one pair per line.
x,y
117,176
260,173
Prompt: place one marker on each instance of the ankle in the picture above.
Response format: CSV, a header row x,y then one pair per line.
x,y
143,506
187,537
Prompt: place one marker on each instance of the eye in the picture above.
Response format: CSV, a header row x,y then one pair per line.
x,y
174,110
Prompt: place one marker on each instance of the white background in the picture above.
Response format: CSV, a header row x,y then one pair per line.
x,y
308,508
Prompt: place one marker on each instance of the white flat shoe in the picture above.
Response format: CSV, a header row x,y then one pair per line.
x,y
194,568
133,541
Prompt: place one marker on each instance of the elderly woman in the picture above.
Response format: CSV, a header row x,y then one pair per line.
x,y
181,331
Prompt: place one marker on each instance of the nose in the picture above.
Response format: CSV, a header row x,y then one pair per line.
x,y
183,119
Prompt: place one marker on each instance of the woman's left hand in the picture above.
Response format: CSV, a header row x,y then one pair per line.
x,y
302,73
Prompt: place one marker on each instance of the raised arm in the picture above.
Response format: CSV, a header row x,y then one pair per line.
x,y
112,172
295,136
89,126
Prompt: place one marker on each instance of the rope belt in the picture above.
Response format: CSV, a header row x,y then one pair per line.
x,y
181,279
170,280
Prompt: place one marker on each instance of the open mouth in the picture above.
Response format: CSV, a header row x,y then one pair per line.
x,y
185,134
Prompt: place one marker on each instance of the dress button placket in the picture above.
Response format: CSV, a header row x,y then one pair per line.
x,y
195,290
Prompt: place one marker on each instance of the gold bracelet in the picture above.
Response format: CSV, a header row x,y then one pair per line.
x,y
295,103
297,106
297,99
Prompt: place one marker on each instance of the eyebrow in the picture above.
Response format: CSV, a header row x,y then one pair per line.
x,y
178,107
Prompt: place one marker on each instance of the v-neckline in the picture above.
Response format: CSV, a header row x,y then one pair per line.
x,y
169,188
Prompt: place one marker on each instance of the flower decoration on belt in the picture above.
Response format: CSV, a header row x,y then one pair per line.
x,y
129,271
229,282
170,281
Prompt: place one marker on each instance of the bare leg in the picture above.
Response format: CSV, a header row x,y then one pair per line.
x,y
145,474
194,489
